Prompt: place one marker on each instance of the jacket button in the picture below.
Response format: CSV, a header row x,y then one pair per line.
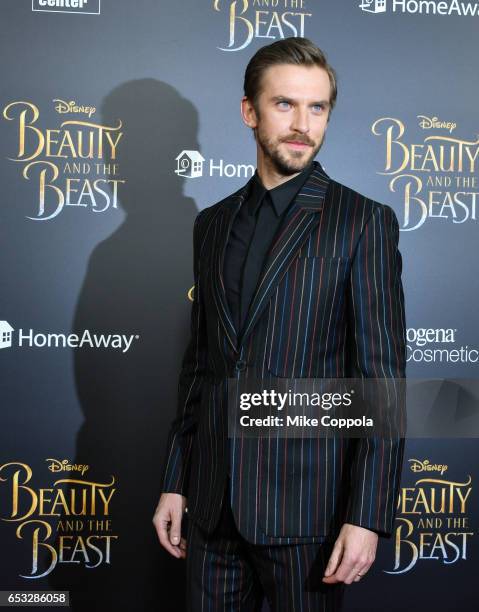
x,y
240,365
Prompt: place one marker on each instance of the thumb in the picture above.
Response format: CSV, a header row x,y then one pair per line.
x,y
175,528
334,559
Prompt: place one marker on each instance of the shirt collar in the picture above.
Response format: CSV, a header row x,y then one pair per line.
x,y
281,196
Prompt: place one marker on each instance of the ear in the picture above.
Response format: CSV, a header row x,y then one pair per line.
x,y
248,114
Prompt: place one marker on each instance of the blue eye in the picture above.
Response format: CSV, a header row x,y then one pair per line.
x,y
285,102
319,107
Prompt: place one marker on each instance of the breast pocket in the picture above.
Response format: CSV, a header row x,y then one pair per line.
x,y
306,317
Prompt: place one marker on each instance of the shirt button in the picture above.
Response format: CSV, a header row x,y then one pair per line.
x,y
240,365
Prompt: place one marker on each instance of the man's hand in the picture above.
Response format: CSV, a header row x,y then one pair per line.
x,y
167,522
353,554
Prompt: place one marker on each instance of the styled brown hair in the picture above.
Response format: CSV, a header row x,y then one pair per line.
x,y
293,50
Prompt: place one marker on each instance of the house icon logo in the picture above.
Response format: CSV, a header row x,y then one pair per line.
x,y
189,164
5,334
373,6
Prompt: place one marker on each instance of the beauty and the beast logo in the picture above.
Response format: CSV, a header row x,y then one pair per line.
x,y
72,165
432,521
437,177
265,19
67,522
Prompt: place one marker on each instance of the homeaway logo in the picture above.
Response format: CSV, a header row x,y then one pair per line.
x,y
6,331
191,164
373,6
87,7
86,339
423,7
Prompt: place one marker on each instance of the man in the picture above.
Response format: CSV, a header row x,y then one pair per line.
x,y
296,276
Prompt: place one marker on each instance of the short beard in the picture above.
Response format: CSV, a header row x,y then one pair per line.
x,y
281,165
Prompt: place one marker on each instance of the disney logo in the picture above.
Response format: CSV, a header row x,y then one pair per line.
x,y
428,123
66,466
72,107
427,466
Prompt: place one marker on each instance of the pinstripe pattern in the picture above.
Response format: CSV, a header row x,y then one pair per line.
x,y
329,303
226,573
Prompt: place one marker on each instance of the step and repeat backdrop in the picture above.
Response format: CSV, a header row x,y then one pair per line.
x,y
119,121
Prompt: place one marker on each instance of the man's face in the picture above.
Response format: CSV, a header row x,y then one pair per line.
x,y
291,116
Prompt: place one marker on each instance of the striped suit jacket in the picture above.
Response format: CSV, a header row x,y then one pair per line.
x,y
328,304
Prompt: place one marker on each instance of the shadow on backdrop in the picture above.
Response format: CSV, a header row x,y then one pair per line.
x,y
136,283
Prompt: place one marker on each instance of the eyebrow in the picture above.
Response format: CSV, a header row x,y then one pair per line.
x,y
287,99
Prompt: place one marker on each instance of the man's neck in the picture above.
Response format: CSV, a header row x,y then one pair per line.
x,y
269,175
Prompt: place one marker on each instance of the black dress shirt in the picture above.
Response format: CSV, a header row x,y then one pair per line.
x,y
251,235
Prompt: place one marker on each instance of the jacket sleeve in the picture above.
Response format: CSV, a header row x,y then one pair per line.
x,y
191,378
378,331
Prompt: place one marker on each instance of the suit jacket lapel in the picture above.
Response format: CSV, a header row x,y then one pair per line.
x,y
301,219
303,216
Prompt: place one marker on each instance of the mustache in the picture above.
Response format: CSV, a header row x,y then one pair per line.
x,y
300,139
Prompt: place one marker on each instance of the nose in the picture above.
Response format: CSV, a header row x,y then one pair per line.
x,y
300,122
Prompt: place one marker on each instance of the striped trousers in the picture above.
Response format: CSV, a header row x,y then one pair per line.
x,y
226,573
